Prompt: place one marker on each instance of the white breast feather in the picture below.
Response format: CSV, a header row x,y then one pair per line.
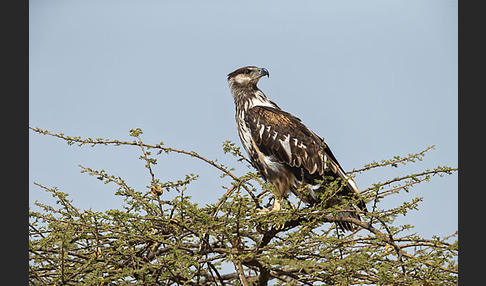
x,y
245,136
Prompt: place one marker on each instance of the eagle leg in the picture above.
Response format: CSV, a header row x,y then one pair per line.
x,y
275,207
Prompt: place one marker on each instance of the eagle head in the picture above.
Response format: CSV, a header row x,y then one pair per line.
x,y
245,76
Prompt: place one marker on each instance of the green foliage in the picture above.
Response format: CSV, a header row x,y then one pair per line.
x,y
158,241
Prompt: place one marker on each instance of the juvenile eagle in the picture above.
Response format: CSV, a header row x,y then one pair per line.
x,y
285,152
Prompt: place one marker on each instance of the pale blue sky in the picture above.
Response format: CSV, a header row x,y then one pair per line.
x,y
375,78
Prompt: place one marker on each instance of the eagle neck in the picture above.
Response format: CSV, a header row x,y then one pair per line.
x,y
246,98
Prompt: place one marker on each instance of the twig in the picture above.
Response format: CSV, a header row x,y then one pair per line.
x,y
145,156
437,171
241,274
398,159
211,267
94,142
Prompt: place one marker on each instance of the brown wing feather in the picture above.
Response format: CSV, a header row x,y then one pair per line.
x,y
282,135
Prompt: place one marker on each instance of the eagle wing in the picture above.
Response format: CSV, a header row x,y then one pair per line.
x,y
284,137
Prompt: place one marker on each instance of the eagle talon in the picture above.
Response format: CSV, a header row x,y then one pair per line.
x,y
275,207
264,210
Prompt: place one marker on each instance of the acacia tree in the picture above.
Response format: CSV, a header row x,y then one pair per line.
x,y
158,241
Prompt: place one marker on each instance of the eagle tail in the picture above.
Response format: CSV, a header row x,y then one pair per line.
x,y
353,189
344,225
351,211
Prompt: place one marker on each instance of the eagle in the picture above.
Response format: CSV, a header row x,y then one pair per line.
x,y
285,152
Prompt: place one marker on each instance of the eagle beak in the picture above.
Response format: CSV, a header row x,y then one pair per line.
x,y
264,72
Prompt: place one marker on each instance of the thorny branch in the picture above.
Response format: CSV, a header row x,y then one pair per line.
x,y
101,141
394,162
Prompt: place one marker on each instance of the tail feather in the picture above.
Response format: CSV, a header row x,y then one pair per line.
x,y
351,187
347,226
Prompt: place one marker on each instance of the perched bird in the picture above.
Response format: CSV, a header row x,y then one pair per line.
x,y
284,151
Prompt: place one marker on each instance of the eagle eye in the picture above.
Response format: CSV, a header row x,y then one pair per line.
x,y
247,71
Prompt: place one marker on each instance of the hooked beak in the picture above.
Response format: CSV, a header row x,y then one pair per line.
x,y
263,72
